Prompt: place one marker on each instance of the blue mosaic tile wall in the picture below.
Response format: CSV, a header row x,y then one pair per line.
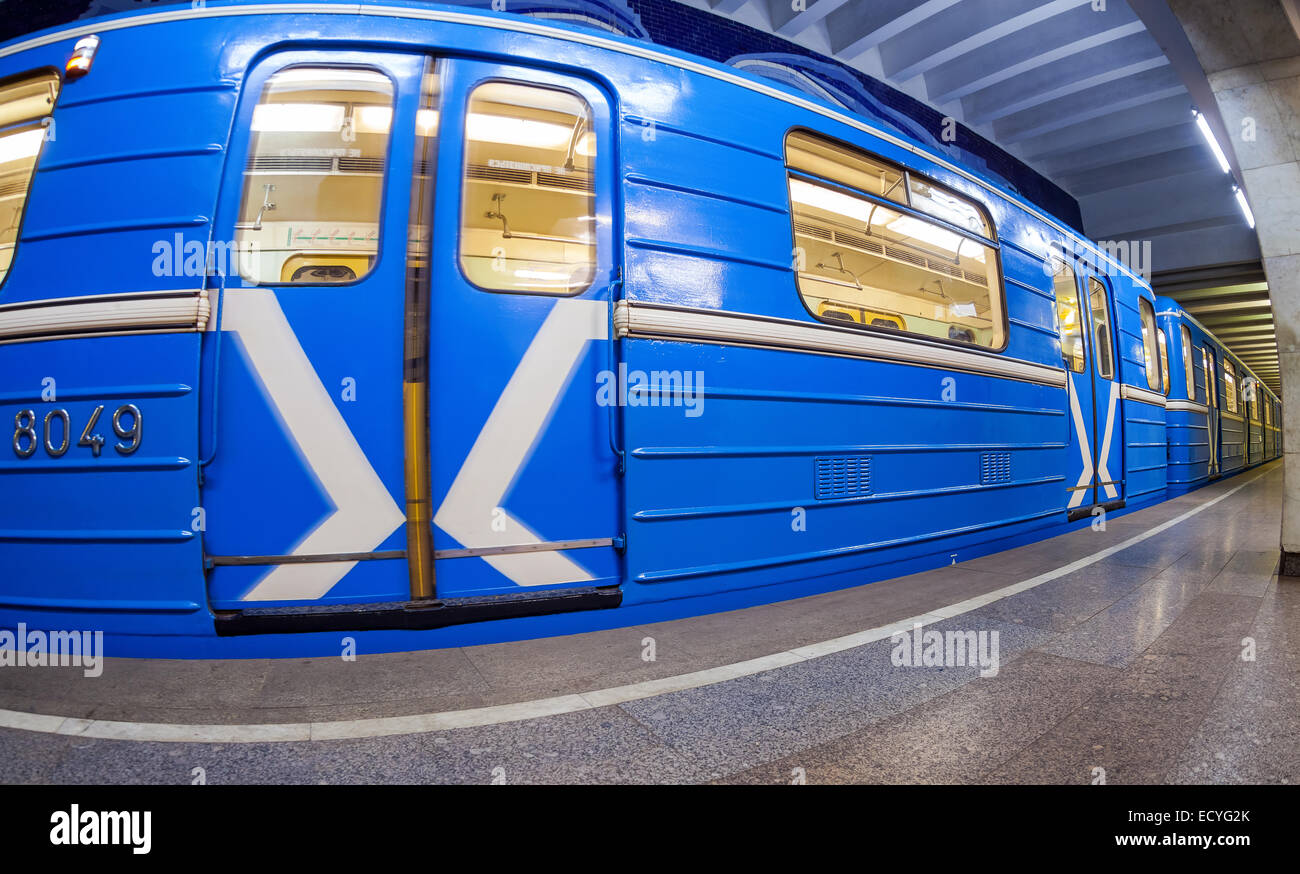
x,y
672,24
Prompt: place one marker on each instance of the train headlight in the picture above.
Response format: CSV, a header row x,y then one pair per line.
x,y
83,55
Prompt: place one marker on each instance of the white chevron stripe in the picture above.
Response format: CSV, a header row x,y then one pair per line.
x,y
507,439
1104,458
1076,497
365,513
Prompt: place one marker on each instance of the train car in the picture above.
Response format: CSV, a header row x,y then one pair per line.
x,y
1273,427
1192,406
1267,424
1221,417
443,327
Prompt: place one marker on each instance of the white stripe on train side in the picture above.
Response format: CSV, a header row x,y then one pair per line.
x,y
725,326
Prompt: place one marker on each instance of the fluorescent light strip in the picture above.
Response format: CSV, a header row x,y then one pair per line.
x,y
830,200
298,117
1245,207
328,118
1214,144
19,146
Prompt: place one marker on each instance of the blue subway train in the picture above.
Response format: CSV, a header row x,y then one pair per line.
x,y
1221,420
430,327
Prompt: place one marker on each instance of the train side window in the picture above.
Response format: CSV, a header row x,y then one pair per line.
x,y
870,236
844,166
528,219
959,211
1067,315
1100,328
315,176
1229,386
1150,351
1188,370
25,108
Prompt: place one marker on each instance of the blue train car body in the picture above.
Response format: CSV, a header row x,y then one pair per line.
x,y
435,419
1221,418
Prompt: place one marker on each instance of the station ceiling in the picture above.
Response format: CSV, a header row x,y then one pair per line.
x,y
1097,95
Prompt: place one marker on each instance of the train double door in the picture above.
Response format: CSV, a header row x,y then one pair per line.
x,y
403,397
522,389
1213,434
1096,423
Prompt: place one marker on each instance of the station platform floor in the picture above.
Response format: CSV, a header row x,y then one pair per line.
x,y
1164,649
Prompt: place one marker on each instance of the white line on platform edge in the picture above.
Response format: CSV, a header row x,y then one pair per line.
x,y
502,713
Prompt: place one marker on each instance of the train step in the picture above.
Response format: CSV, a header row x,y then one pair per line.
x,y
413,614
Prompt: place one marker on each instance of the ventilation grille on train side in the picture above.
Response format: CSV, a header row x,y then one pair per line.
x,y
361,165
842,476
555,181
314,164
995,467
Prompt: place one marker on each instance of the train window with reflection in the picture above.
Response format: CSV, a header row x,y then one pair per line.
x,y
1164,360
1101,328
1188,371
1067,315
891,250
1229,387
1150,352
1211,384
315,176
529,221
25,107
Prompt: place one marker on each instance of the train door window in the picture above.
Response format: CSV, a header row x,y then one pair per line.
x,y
315,176
1101,344
1150,352
528,219
1164,359
1067,315
1189,371
1229,386
1211,383
871,236
26,104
